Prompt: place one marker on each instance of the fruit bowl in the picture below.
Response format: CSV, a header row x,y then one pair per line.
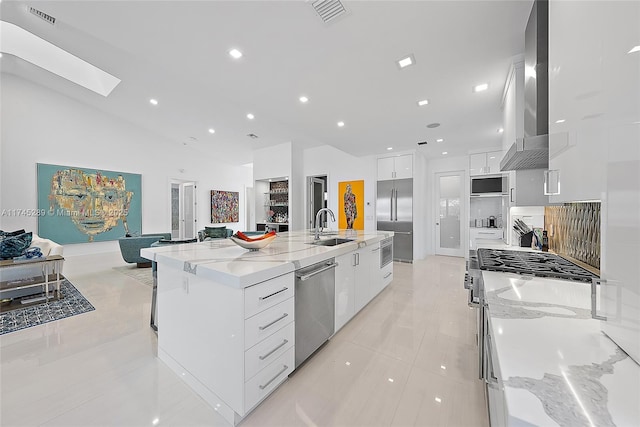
x,y
253,245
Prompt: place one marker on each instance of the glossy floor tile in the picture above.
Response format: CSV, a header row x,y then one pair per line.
x,y
407,359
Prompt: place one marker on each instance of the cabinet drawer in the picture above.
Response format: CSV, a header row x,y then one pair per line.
x,y
267,350
486,234
268,322
267,294
259,387
386,274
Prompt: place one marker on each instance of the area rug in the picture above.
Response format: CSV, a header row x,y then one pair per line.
x,y
144,275
71,303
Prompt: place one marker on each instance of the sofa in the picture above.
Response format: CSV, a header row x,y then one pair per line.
x,y
130,247
219,232
48,248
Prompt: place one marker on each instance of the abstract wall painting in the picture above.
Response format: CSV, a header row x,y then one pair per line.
x,y
224,206
81,205
351,205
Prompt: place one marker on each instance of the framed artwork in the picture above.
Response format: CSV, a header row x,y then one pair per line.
x,y
224,206
81,205
351,205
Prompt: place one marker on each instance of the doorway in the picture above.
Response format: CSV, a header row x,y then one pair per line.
x,y
316,199
449,207
183,209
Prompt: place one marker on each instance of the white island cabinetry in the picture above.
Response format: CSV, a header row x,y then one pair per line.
x,y
226,316
227,340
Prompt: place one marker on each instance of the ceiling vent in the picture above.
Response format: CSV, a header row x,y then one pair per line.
x,y
40,14
252,135
422,143
328,10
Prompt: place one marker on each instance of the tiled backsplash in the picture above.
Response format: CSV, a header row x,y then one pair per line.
x,y
574,230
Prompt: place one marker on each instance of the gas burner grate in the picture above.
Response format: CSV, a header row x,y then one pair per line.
x,y
532,263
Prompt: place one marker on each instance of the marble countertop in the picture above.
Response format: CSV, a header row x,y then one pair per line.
x,y
556,365
225,262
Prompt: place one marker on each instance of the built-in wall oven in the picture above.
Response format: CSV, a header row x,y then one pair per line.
x,y
386,252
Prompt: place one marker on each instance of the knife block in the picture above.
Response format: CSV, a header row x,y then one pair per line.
x,y
525,240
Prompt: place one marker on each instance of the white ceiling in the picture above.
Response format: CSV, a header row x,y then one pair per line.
x,y
177,52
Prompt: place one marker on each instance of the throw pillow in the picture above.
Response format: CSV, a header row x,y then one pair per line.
x,y
216,232
11,233
14,246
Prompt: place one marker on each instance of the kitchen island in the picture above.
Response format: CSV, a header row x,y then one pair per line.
x,y
549,363
226,317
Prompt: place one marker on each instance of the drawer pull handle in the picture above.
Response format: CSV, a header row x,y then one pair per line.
x,y
270,295
387,275
262,328
284,368
274,350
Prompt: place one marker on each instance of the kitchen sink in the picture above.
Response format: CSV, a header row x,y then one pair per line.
x,y
331,242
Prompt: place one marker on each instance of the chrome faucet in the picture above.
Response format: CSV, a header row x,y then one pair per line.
x,y
333,218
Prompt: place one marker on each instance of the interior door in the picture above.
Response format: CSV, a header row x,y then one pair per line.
x,y
449,207
317,199
183,209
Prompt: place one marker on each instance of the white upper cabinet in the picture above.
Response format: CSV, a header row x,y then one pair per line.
x,y
397,167
485,163
583,88
513,106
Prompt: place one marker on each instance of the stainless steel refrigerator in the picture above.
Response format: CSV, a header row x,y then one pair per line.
x,y
394,211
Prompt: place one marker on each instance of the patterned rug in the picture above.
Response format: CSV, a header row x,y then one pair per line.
x,y
144,275
71,303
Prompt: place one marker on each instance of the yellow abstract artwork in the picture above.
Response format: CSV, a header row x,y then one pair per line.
x,y
351,205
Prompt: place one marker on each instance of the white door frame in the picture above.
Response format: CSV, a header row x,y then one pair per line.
x,y
459,252
181,212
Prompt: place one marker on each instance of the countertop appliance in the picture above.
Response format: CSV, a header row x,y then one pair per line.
x,y
314,307
394,211
540,264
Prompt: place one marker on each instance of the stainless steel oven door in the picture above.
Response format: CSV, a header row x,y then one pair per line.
x,y
386,252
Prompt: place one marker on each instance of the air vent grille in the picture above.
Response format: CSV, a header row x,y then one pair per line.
x,y
40,14
422,143
252,135
328,9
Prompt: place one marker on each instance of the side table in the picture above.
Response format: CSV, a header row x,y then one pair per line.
x,y
48,266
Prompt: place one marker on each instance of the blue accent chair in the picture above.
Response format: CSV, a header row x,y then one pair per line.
x,y
130,247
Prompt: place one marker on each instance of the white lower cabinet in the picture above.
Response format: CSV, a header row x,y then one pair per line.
x,y
233,346
364,288
478,235
345,289
359,279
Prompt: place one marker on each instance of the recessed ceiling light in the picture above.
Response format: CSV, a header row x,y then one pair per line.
x,y
500,130
390,380
212,130
406,61
438,400
153,101
304,99
250,116
389,148
481,87
439,140
444,153
560,121
423,102
340,124
235,53
634,49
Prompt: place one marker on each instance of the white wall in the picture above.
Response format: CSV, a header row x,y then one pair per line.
x,y
340,166
42,126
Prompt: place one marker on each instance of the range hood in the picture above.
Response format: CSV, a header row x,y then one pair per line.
x,y
527,153
532,152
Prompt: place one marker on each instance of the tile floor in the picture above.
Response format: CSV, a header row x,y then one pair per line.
x,y
408,358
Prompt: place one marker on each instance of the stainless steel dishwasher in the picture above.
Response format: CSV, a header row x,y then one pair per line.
x,y
315,307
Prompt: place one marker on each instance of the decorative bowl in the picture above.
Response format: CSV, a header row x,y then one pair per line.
x,y
253,245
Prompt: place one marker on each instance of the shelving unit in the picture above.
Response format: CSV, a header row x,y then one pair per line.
x,y
276,207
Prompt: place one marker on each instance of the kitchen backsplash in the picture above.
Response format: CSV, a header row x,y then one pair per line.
x,y
574,230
